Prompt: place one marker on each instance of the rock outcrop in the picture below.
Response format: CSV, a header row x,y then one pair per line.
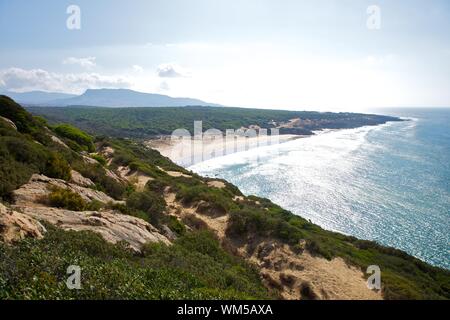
x,y
31,193
111,225
58,141
9,122
113,175
78,179
15,226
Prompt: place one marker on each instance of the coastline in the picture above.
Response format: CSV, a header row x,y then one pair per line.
x,y
187,152
342,143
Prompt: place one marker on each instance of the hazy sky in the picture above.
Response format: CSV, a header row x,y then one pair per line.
x,y
262,53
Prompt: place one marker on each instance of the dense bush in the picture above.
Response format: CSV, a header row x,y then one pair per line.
x,y
97,174
76,135
25,151
23,120
194,267
176,226
215,201
262,223
19,159
146,122
28,150
12,175
152,205
66,199
57,167
99,158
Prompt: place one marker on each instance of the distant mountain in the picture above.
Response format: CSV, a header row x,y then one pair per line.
x,y
103,98
37,97
126,98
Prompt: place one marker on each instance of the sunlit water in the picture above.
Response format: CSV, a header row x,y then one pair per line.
x,y
389,183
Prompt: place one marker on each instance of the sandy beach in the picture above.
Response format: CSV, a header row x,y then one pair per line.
x,y
188,151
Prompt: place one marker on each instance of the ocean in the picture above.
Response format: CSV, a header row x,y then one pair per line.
x,y
388,183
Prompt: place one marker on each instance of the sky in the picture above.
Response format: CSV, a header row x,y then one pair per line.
x,y
282,54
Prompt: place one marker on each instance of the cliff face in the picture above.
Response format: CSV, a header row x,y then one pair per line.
x,y
295,275
196,238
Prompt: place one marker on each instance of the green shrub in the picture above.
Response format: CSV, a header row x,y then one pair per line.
x,y
41,120
19,159
99,158
25,151
194,267
176,226
12,175
23,120
97,174
191,194
151,204
216,201
119,207
57,167
157,186
74,146
75,134
66,199
94,205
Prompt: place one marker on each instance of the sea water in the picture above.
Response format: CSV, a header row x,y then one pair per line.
x,y
388,183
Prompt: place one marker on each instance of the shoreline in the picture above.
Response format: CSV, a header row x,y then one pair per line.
x,y
189,151
410,120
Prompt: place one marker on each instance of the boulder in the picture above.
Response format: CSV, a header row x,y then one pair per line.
x,y
15,226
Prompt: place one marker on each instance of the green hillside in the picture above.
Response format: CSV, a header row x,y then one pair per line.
x,y
196,265
148,122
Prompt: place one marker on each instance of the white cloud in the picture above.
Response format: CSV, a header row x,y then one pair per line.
x,y
18,79
88,62
138,68
171,70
